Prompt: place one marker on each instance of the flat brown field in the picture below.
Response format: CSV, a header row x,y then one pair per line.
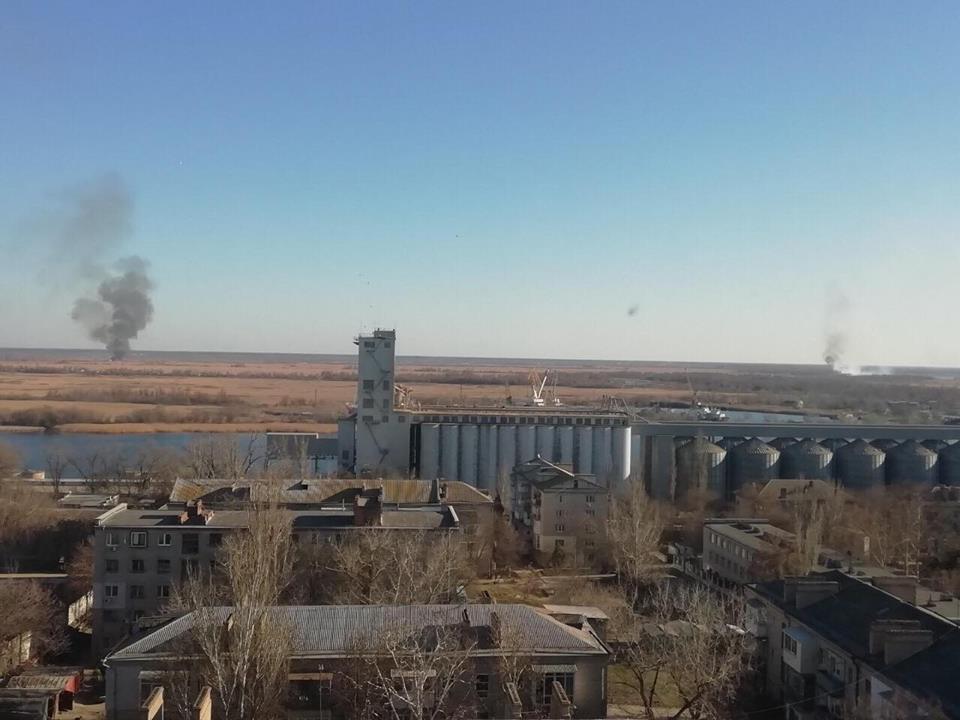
x,y
147,394
158,396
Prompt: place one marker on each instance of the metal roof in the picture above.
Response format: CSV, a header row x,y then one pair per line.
x,y
339,630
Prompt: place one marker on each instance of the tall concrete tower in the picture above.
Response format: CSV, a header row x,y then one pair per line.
x,y
382,436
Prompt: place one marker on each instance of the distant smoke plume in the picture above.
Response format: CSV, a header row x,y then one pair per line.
x,y
76,240
122,308
836,319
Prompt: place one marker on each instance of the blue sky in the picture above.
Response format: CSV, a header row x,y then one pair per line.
x,y
500,179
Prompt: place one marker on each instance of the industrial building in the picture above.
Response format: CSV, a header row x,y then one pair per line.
x,y
386,434
478,446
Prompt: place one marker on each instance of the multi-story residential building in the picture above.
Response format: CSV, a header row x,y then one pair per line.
x,y
564,513
561,664
835,646
737,551
139,555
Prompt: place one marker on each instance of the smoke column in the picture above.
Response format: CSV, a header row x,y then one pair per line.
x,y
835,321
122,307
75,241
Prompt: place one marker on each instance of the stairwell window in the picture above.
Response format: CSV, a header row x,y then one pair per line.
x,y
138,539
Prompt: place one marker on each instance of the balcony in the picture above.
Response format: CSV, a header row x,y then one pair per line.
x,y
800,650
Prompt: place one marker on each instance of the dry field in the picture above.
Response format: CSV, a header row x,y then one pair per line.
x,y
82,395
147,394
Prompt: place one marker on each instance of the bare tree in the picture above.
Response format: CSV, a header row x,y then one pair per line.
x,y
690,646
423,673
57,464
29,608
222,457
241,651
634,529
395,567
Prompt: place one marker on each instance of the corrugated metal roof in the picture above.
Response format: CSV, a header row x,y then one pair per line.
x,y
341,629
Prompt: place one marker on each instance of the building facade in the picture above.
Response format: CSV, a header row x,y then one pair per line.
x,y
141,555
490,646
835,646
564,513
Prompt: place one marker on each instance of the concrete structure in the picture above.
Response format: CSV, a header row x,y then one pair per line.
x,y
564,514
737,551
386,435
140,554
831,645
330,645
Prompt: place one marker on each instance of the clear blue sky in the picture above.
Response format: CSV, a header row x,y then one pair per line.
x,y
501,179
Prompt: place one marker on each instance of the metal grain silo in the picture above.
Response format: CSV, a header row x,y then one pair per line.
x,y
806,459
488,458
506,454
885,444
602,453
910,463
752,462
526,443
584,450
729,443
450,452
621,456
545,441
429,451
565,440
833,444
469,454
781,443
680,440
860,465
701,465
950,465
934,444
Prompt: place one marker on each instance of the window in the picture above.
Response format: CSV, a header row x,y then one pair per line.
x,y
386,404
215,540
137,565
559,527
589,498
368,384
163,591
368,418
385,418
401,418
369,344
368,402
386,384
111,591
166,539
136,592
591,512
559,543
387,344
545,686
560,498
345,454
483,686
112,566
163,566
559,513
112,540
789,644
138,539
191,543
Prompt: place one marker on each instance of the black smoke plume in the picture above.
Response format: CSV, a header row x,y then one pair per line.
x,y
122,307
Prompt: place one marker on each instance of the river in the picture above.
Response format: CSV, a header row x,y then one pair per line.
x,y
34,448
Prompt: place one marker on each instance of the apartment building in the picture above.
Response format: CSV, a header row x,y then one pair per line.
x,y
563,664
140,555
737,551
564,513
835,646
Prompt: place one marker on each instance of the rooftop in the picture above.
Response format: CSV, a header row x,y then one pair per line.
x,y
430,517
753,533
845,618
339,630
